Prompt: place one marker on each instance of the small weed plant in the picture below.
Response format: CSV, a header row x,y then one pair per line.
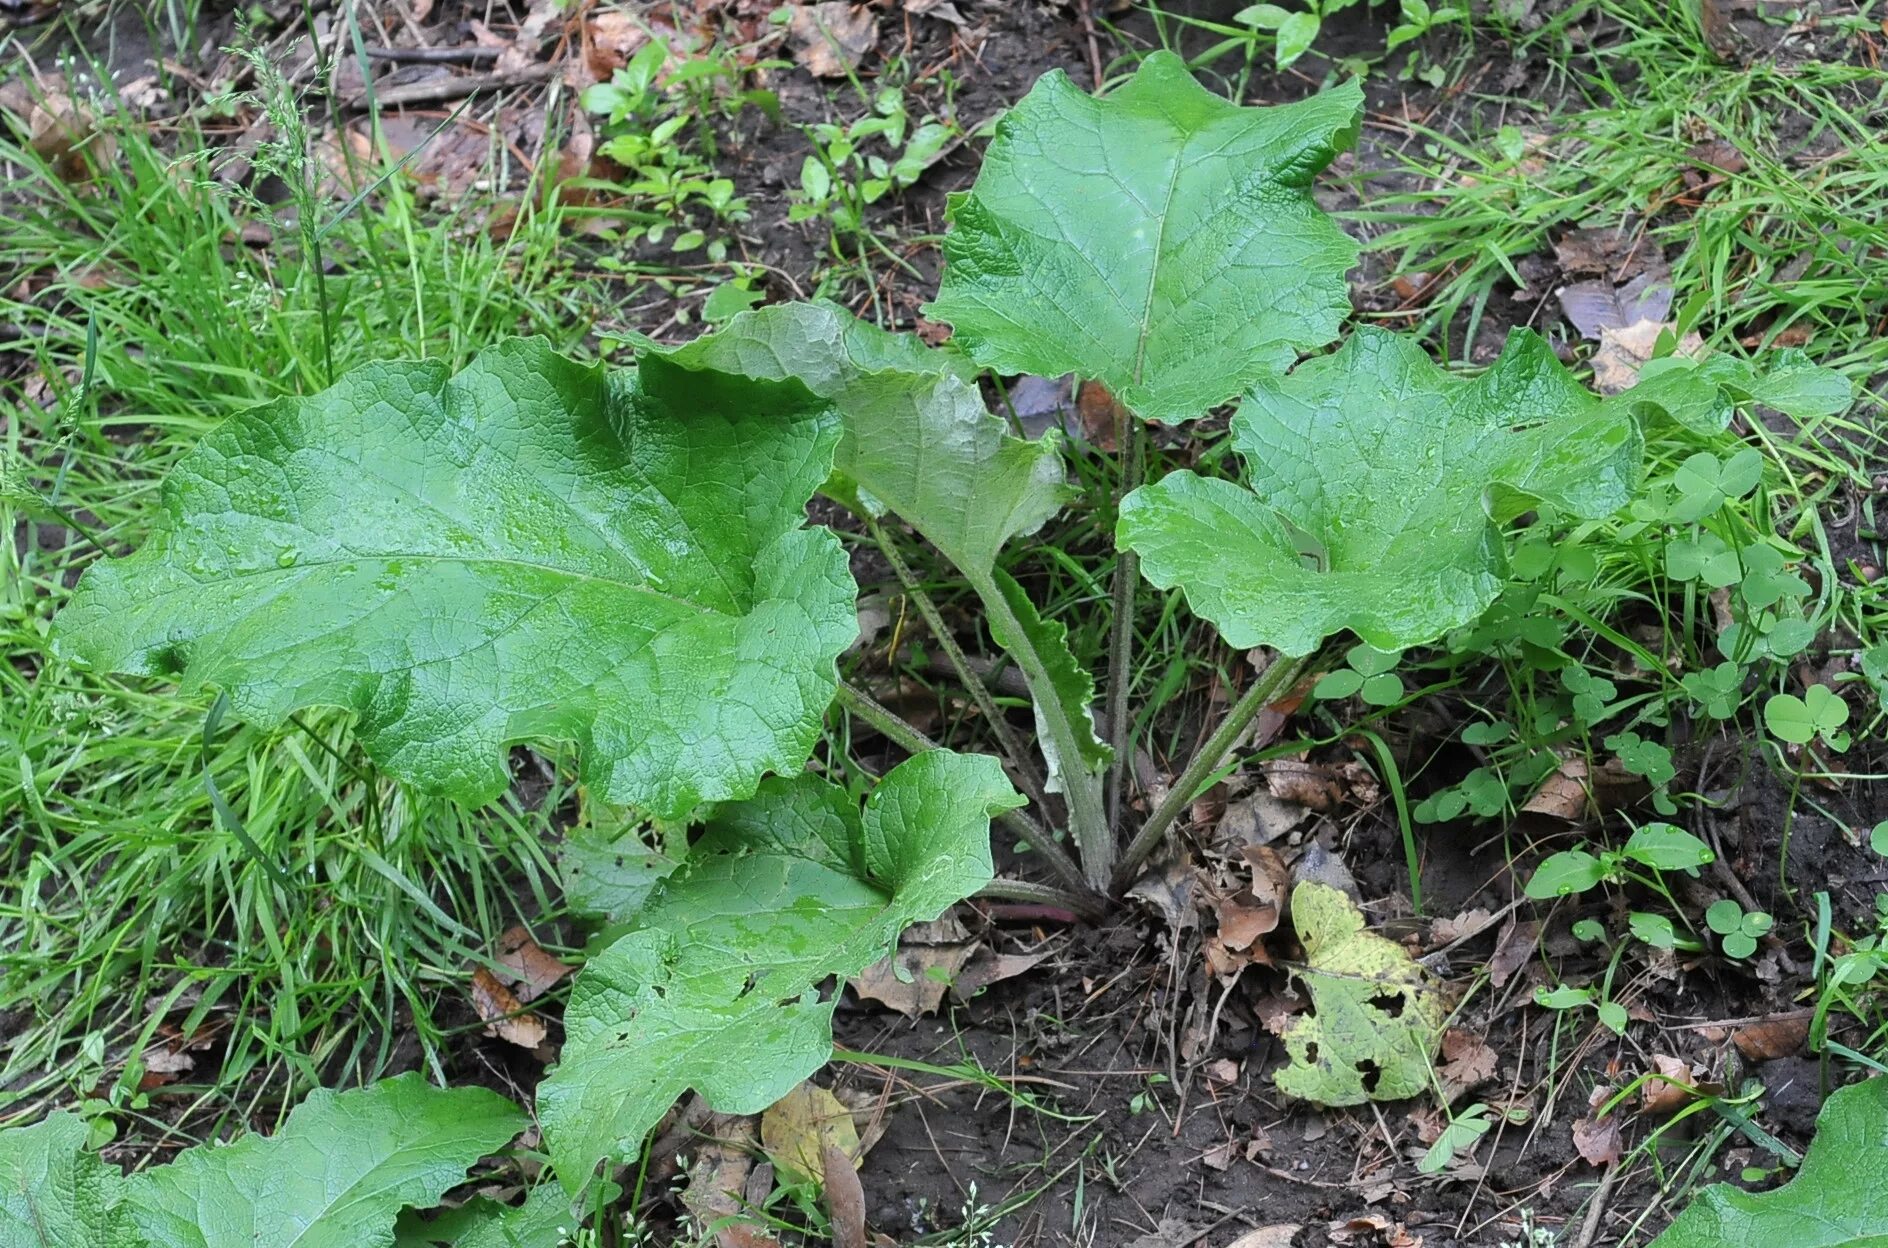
x,y
533,549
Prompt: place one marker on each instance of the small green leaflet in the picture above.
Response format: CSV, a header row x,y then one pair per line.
x,y
530,549
1375,484
540,1222
1702,394
1161,240
54,1193
1835,1200
717,989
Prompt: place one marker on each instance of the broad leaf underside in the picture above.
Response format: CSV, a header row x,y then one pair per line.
x,y
1375,482
530,549
718,989
1160,240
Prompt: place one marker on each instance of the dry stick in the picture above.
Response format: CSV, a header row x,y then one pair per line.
x,y
1132,439
453,88
1026,775
866,707
1211,757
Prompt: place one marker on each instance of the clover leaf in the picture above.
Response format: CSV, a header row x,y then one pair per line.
x,y
1375,484
529,549
718,986
1375,1022
1160,240
1819,712
1833,1202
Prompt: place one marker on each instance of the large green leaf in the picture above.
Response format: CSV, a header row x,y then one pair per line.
x,y
1161,240
54,1193
1839,1199
335,1176
1375,484
528,549
719,987
918,441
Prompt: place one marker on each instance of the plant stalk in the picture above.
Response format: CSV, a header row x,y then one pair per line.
x,y
1084,904
1088,820
1282,674
1028,778
1131,437
858,702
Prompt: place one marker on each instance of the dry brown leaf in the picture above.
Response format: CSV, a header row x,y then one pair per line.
x,y
1513,947
534,971
1322,787
1467,1062
1277,1235
1623,351
717,1182
797,1130
1772,1038
831,39
943,10
1256,819
1610,253
1464,926
503,1014
1563,794
1598,1140
845,1198
1222,1072
988,968
610,38
914,977
57,126
1669,1090
1220,1156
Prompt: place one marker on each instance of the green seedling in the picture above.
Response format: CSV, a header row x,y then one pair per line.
x,y
1659,846
1463,1132
1566,997
1740,930
844,175
1367,673
1819,713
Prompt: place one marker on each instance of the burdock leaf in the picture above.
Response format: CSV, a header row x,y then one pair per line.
x,y
1375,484
336,1175
54,1193
1835,1200
530,549
1376,1021
718,988
1160,239
918,440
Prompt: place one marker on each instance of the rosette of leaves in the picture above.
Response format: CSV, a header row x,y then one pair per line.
x,y
531,549
717,988
1375,487
1159,239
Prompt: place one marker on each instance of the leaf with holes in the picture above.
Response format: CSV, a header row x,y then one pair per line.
x,y
1835,1200
528,549
335,1176
718,987
1159,240
1375,483
1376,1020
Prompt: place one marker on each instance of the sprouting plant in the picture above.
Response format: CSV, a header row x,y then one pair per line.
x,y
1658,846
1565,997
853,167
1463,1131
1740,930
534,549
657,126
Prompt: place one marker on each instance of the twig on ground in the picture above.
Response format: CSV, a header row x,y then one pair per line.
x,y
453,88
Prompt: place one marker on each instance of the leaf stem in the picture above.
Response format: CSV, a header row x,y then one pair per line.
x,y
1028,778
1088,821
1282,674
1084,903
895,729
1131,436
